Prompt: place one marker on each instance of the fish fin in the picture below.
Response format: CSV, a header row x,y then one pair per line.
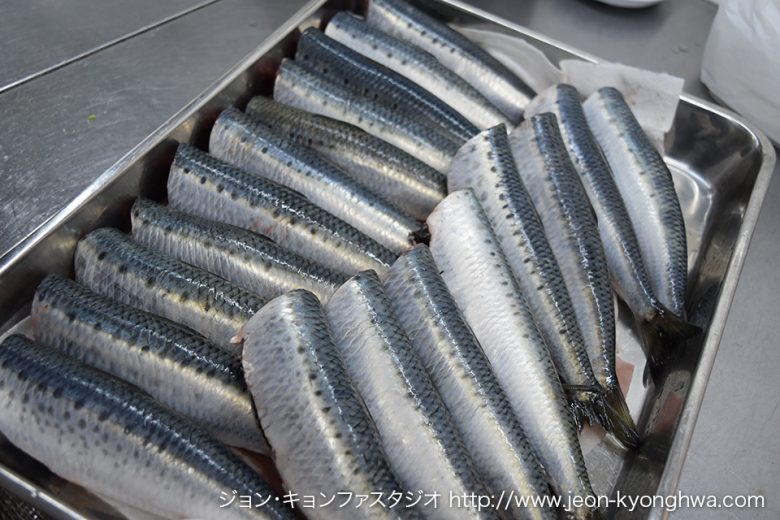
x,y
421,235
617,419
584,403
662,335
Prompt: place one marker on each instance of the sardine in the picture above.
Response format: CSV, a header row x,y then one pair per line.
x,y
570,226
247,259
647,189
304,88
463,376
209,188
252,146
422,445
486,165
475,270
323,438
416,64
375,81
391,173
173,364
109,437
114,265
623,256
470,61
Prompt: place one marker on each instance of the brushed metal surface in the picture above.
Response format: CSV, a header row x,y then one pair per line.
x,y
38,35
721,167
61,131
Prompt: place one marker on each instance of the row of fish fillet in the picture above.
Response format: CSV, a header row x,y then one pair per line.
x,y
395,276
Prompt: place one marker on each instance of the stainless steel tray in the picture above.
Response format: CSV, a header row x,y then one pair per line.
x,y
722,167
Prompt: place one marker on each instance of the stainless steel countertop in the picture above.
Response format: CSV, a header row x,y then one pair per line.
x,y
83,81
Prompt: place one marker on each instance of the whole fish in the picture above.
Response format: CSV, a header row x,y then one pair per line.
x,y
416,64
174,365
209,188
391,173
323,438
474,268
251,146
486,165
422,446
623,256
470,61
247,259
377,82
647,189
463,376
570,226
114,265
113,439
304,88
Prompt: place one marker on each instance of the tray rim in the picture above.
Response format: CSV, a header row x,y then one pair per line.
x,y
686,424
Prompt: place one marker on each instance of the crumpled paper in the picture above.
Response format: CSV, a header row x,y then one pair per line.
x,y
653,96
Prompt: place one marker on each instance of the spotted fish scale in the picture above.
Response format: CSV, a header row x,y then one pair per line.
x,y
455,51
376,81
486,165
112,264
621,247
393,174
304,88
209,188
251,146
98,432
323,438
463,376
173,364
417,433
419,66
473,266
247,259
572,232
647,189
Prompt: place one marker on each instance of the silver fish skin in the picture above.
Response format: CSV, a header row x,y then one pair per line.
x,y
202,185
418,66
174,365
114,265
323,438
238,139
465,380
302,87
373,80
647,189
570,226
388,171
423,448
481,282
621,247
486,165
470,61
247,259
115,440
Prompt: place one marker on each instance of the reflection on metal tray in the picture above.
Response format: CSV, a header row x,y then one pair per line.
x,y
721,168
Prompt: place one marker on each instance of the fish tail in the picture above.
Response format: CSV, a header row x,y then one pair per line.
x,y
585,401
422,235
616,417
662,336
